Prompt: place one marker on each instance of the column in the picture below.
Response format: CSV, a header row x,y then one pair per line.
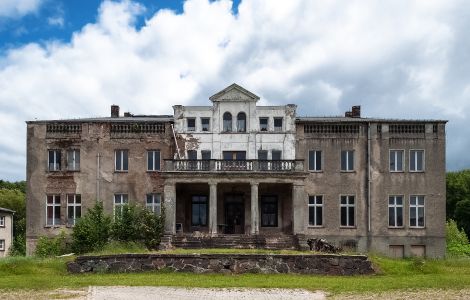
x,y
254,209
169,203
213,208
299,206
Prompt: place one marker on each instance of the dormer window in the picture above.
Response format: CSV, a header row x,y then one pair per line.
x,y
227,122
241,122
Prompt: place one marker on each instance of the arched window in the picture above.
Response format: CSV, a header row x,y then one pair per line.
x,y
241,122
227,122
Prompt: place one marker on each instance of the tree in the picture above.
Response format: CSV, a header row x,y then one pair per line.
x,y
12,197
462,215
126,225
151,228
457,189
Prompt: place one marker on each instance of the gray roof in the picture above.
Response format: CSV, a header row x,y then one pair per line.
x,y
6,210
339,119
137,118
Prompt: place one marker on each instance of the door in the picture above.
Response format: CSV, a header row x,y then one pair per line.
x,y
234,214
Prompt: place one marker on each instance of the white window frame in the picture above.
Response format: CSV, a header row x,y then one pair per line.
x,y
75,165
416,207
123,200
315,206
348,152
2,245
187,124
395,207
121,153
403,163
54,206
348,206
315,169
72,221
415,170
153,153
56,166
154,206
2,221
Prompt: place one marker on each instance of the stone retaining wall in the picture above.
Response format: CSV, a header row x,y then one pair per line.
x,y
225,263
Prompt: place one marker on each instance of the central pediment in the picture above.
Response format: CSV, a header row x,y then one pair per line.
x,y
234,92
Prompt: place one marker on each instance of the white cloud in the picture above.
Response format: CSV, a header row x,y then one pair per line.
x,y
396,58
56,21
18,8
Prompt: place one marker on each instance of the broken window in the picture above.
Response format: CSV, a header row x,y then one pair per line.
x,y
227,122
396,160
199,211
119,201
347,211
154,203
314,160
121,160
53,210
205,124
263,124
269,211
191,124
395,211
347,160
54,159
315,210
416,160
416,211
73,160
74,208
241,122
277,124
153,160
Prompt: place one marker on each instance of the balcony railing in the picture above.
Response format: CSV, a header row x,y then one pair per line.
x,y
215,165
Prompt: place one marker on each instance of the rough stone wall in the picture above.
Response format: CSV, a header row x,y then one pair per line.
x,y
225,263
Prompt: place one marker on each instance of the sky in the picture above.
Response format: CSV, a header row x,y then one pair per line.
x,y
72,58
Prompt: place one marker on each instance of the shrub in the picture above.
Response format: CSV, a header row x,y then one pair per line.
x,y
126,225
92,231
55,246
457,240
151,228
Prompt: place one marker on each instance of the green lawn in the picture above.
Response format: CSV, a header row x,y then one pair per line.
x,y
48,274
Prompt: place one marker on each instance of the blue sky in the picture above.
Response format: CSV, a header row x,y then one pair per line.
x,y
74,58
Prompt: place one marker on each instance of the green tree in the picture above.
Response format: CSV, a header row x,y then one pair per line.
x,y
151,228
12,197
462,215
457,189
126,226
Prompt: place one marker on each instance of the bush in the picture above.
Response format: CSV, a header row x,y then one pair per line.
x,y
126,225
457,240
92,231
55,246
151,228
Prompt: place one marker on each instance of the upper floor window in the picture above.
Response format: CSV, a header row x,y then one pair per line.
x,y
347,160
205,124
205,154
227,122
347,211
277,124
191,124
73,160
416,211
121,158
192,154
74,208
263,124
241,122
154,203
153,160
2,221
314,160
395,211
315,210
54,159
119,201
53,210
396,160
262,159
416,160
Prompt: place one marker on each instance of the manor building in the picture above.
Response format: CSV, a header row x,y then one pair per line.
x,y
236,174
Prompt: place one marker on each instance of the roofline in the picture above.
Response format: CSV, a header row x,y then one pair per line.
x,y
7,210
236,86
362,120
162,118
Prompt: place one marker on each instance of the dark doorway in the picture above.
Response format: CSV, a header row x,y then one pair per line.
x,y
234,214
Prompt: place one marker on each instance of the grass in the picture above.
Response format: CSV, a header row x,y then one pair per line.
x,y
48,274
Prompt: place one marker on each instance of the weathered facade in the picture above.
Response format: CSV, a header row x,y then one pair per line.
x,y
6,230
238,169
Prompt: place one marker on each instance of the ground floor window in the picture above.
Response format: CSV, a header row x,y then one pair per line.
x,y
53,210
74,208
269,211
2,245
119,201
154,203
315,210
199,211
347,211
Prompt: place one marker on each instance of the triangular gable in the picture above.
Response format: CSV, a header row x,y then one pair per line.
x,y
234,92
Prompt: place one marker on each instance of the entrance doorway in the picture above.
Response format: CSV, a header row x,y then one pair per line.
x,y
234,214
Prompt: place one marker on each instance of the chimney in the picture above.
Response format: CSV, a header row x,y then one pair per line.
x,y
128,114
348,114
356,111
114,111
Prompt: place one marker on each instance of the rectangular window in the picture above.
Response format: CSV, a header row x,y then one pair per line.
x,y
277,124
395,211
2,221
205,124
121,160
2,245
199,211
417,211
191,124
74,208
154,203
347,211
73,160
206,154
396,160
54,159
262,159
53,210
119,201
153,160
314,160
315,210
263,124
269,211
416,160
347,160
234,155
276,156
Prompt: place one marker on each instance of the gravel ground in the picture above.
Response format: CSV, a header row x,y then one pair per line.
x,y
428,294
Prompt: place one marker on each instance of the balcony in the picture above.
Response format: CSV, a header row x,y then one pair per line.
x,y
215,165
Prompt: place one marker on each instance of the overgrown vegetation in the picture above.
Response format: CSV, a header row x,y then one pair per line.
x,y
458,198
52,246
13,196
457,240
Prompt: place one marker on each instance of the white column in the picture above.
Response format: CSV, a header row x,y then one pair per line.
x,y
169,203
299,206
254,209
213,208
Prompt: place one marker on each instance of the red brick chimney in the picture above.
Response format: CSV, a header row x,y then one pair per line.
x,y
114,111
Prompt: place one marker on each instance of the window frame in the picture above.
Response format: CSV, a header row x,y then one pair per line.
x,y
76,166
199,203
193,128
2,245
403,162
225,122
347,170
315,161
152,206
153,152
416,161
277,128
121,203
315,206
239,119
347,205
270,199
75,205
395,207
417,206
267,124
2,221
54,206
208,124
55,163
121,151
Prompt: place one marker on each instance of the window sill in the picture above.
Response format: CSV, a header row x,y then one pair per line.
x,y
315,171
414,227
154,171
53,226
2,250
269,226
396,227
117,171
399,172
347,227
315,226
347,172
73,171
416,171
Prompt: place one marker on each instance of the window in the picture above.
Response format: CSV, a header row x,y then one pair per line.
x,y
74,208
314,160
241,122
347,211
416,160
2,221
396,160
269,211
395,211
276,154
199,211
153,160
263,124
119,201
227,122
262,159
347,160
54,158
73,160
53,210
234,155
206,154
154,203
121,160
416,211
276,157
2,245
277,124
191,124
205,124
315,210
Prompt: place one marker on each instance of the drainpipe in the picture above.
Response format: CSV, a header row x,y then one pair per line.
x,y
368,182
98,177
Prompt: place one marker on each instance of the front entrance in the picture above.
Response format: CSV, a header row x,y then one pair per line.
x,y
234,214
